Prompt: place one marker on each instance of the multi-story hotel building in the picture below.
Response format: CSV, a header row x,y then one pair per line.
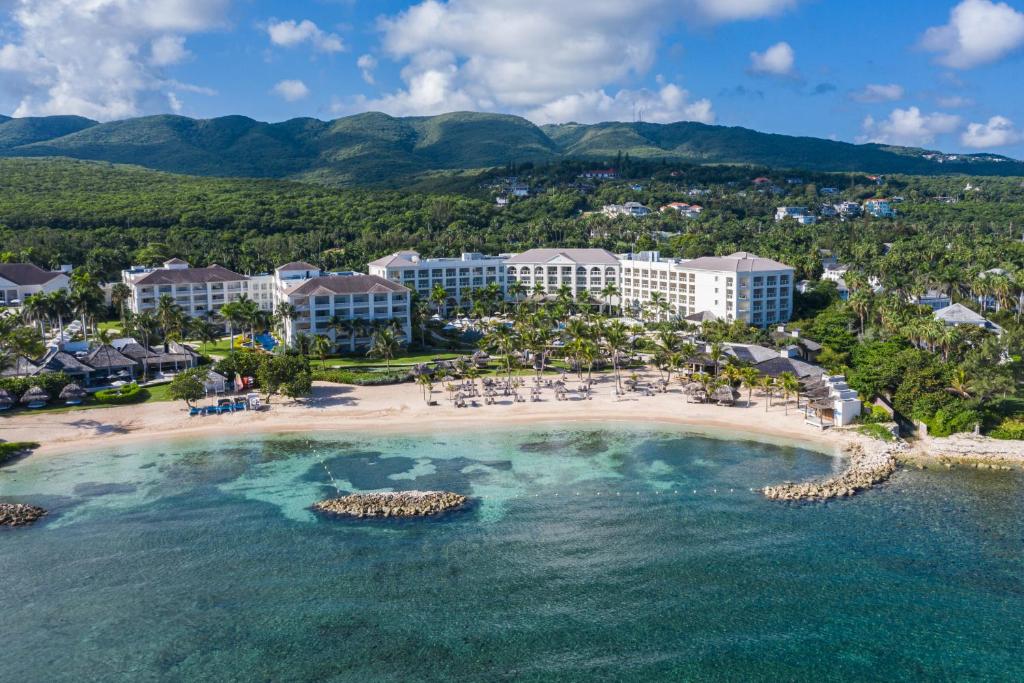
x,y
582,270
459,276
740,286
198,291
359,300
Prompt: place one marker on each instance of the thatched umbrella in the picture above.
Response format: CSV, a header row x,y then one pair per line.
x,y
6,399
725,395
72,394
695,391
35,396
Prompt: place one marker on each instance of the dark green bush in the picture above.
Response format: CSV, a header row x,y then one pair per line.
x,y
130,393
361,378
876,431
50,382
14,448
1010,428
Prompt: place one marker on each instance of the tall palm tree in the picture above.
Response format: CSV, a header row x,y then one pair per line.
x,y
385,344
120,295
322,346
790,386
59,306
860,303
748,379
438,297
169,314
608,292
616,341
766,384
36,309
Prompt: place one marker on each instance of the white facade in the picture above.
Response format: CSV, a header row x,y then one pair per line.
x,y
581,270
629,209
458,276
740,286
200,292
794,212
20,280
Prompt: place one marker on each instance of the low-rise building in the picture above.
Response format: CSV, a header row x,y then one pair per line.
x,y
683,209
933,299
630,209
958,314
794,212
20,280
848,209
880,208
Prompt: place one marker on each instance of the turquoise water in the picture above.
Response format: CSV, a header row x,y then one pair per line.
x,y
591,554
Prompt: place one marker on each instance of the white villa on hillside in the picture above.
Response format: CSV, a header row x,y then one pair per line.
x,y
582,270
630,209
459,276
740,286
19,280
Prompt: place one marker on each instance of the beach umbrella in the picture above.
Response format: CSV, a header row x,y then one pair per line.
x,y
35,395
725,394
72,392
6,399
693,388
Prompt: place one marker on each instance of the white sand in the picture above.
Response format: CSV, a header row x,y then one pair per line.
x,y
401,408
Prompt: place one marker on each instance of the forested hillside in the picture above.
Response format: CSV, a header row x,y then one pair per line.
x,y
377,149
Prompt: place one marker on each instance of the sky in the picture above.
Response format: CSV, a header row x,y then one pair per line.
x,y
941,74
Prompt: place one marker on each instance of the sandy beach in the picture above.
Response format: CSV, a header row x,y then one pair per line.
x,y
401,408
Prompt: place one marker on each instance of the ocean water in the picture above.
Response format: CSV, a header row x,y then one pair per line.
x,y
590,553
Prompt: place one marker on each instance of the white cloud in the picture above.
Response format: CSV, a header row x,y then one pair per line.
x,y
290,33
670,103
954,102
978,32
367,64
778,60
998,132
879,93
539,56
168,50
291,90
908,127
98,58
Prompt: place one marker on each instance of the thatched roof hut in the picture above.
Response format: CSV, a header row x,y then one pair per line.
x,y
6,399
35,395
72,392
725,395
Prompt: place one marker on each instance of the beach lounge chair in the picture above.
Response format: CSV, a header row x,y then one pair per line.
x,y
193,411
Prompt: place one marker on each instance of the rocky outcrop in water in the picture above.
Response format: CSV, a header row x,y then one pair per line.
x,y
869,465
392,504
16,514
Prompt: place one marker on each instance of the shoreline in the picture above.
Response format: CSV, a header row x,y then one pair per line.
x,y
400,409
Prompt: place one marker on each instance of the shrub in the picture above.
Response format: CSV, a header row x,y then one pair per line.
x,y
362,378
952,419
876,431
875,415
130,393
14,448
1010,428
50,382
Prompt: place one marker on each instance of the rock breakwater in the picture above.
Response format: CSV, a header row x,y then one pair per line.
x,y
17,514
870,464
392,504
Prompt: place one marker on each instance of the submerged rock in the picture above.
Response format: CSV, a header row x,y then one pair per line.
x,y
392,504
17,514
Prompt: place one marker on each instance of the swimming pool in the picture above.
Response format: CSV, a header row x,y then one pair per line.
x,y
266,341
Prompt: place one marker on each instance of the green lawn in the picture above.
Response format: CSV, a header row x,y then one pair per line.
x,y
157,393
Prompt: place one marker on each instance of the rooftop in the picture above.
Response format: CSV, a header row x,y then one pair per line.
x,y
346,284
579,256
739,262
167,276
26,274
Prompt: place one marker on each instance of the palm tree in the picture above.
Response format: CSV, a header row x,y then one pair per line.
x,y
169,314
748,379
203,331
438,297
59,306
86,298
36,309
233,316
790,386
516,290
427,386
716,353
303,344
860,303
766,384
608,292
120,294
616,340
385,344
502,341
322,346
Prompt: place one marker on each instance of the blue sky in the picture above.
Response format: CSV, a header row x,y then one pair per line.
x,y
935,73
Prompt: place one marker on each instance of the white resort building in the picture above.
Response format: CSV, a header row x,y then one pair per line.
x,y
198,291
19,280
582,270
740,286
459,276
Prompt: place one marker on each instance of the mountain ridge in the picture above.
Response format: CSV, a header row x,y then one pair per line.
x,y
372,147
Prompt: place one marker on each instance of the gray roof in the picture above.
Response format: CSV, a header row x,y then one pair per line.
x,y
400,259
738,262
106,357
752,353
579,256
22,367
702,317
298,265
958,314
26,274
346,284
64,362
774,367
184,276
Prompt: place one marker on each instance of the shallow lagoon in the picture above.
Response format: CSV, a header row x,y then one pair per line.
x,y
590,553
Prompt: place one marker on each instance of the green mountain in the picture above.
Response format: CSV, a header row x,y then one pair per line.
x,y
376,148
